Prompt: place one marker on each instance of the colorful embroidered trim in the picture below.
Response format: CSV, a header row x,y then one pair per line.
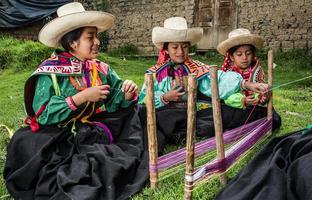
x,y
199,68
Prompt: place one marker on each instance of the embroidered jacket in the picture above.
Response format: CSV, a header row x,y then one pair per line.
x,y
167,77
71,76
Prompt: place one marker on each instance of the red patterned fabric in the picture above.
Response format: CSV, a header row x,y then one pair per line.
x,y
162,56
226,63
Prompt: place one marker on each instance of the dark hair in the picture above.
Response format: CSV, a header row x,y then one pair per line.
x,y
165,46
233,49
70,37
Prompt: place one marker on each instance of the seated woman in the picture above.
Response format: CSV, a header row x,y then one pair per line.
x,y
172,69
240,56
85,139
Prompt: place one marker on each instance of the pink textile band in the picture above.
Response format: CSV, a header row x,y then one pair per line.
x,y
153,167
70,102
135,97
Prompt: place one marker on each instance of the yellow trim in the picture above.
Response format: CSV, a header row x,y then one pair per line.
x,y
94,74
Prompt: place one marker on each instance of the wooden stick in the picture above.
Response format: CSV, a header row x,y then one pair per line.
x,y
217,119
151,129
190,136
270,82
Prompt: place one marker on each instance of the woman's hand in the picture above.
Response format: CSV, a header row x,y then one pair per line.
x,y
264,97
173,95
257,87
92,94
129,88
250,100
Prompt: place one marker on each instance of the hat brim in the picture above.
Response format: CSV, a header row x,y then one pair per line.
x,y
161,35
251,39
53,31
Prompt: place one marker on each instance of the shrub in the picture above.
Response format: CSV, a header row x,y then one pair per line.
x,y
21,55
103,37
102,5
5,58
126,49
193,49
295,58
32,54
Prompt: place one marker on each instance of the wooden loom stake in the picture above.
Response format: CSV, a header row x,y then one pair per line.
x,y
151,129
217,119
270,82
190,136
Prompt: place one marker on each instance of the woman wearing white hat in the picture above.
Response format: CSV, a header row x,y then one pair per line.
x,y
174,40
240,56
88,140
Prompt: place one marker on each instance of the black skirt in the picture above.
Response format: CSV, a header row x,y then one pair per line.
x,y
55,164
281,171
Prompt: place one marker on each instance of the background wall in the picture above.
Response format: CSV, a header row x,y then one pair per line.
x,y
136,19
29,32
284,24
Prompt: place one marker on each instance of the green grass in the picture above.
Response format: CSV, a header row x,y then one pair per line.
x,y
293,102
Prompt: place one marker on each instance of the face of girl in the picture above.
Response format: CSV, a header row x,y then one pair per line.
x,y
86,47
242,57
178,51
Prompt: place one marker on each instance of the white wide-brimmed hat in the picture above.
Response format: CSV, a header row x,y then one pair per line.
x,y
237,37
70,17
175,30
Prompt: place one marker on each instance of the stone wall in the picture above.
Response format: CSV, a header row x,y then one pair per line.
x,y
284,24
29,32
136,19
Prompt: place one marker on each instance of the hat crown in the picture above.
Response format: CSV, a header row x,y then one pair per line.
x,y
70,8
239,32
177,23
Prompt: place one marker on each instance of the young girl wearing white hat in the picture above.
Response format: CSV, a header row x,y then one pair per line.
x,y
84,139
240,56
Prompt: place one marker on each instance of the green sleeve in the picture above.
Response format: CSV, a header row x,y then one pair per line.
x,y
228,82
56,109
235,100
157,94
116,98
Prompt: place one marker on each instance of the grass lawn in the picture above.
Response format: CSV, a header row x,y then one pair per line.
x,y
293,102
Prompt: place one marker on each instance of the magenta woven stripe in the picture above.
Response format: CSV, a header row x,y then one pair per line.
x,y
177,157
153,167
235,151
106,129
